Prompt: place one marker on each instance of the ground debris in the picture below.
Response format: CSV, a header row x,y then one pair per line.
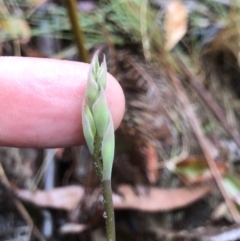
x,y
230,233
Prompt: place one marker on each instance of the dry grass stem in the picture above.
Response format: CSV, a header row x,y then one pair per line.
x,y
203,142
211,103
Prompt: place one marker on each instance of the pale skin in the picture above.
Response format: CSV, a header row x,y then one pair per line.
x,y
41,100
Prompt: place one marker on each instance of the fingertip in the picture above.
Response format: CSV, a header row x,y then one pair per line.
x,y
42,101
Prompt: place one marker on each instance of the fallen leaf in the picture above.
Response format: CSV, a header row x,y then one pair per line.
x,y
175,23
72,228
195,169
66,198
156,199
159,199
231,183
220,212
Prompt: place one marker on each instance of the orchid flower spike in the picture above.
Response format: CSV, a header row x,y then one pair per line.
x,y
96,116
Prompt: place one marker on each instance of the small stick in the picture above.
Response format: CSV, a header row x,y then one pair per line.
x,y
77,30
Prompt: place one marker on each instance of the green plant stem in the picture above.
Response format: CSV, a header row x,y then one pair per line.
x,y
109,211
107,192
77,30
97,157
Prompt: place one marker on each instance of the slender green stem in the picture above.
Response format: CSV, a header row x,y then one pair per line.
x,y
77,30
109,212
107,192
97,157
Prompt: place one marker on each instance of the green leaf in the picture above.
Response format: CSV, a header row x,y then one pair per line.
x,y
95,64
195,169
108,146
231,183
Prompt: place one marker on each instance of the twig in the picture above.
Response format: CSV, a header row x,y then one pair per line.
x,y
77,31
49,157
203,141
5,182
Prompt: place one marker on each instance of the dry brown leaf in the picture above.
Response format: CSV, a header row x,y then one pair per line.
x,y
156,199
160,199
72,228
195,169
175,24
66,198
221,212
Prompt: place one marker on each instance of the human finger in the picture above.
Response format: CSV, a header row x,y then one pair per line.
x,y
40,102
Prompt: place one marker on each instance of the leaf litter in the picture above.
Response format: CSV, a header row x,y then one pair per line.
x,y
156,199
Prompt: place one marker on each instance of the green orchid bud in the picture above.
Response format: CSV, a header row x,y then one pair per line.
x,y
89,129
92,89
95,64
101,113
107,151
102,74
